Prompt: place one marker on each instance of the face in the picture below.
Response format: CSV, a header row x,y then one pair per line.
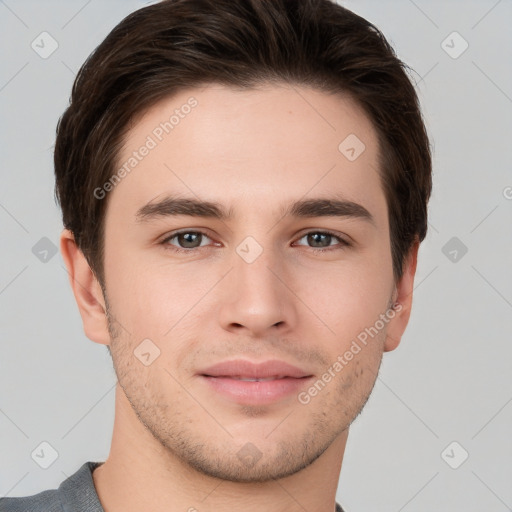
x,y
249,281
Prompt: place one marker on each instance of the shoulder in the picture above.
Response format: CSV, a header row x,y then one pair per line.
x,y
45,501
75,494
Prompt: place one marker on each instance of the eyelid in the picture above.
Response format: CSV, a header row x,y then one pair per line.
x,y
343,242
173,234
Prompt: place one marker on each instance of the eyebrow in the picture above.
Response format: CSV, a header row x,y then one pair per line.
x,y
318,207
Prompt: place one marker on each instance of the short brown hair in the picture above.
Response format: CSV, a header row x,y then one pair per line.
x,y
167,47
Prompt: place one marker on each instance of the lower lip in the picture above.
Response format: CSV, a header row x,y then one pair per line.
x,y
254,392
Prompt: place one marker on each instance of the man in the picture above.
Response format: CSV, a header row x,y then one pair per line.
x,y
244,187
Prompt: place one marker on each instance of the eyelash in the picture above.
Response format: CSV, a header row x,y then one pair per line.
x,y
167,246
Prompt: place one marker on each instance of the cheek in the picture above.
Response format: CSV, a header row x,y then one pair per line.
x,y
346,298
150,300
151,296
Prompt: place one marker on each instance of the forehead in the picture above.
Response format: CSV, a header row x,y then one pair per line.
x,y
251,149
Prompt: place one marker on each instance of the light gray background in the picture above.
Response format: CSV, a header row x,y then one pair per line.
x,y
450,378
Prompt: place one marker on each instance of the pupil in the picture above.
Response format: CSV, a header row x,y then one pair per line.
x,y
187,236
314,238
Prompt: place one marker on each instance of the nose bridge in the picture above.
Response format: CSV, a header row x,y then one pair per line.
x,y
254,266
256,298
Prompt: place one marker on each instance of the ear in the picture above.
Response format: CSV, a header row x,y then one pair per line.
x,y
87,290
403,301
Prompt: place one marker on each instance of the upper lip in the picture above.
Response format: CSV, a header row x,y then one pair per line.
x,y
248,369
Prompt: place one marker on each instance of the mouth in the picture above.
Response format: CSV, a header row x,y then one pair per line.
x,y
249,379
245,382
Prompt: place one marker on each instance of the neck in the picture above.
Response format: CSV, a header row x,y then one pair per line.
x,y
141,474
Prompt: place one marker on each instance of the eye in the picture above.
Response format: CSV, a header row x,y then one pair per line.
x,y
321,240
188,240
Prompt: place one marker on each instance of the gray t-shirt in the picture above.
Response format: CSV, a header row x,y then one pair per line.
x,y
75,494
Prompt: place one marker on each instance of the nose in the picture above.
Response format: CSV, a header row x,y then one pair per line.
x,y
256,297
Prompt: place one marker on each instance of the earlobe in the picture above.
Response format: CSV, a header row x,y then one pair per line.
x,y
86,289
403,302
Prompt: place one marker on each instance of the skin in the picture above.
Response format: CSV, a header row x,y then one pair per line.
x,y
175,441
